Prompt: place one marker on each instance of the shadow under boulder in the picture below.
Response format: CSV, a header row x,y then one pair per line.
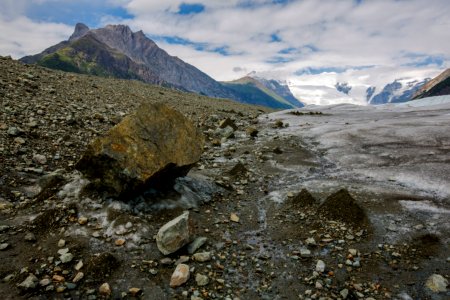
x,y
341,206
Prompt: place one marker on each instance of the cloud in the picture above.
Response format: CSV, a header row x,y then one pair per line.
x,y
284,39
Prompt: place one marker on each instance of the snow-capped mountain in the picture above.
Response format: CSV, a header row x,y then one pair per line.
x,y
401,90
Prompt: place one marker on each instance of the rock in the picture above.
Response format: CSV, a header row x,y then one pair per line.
x,y
202,256
30,237
310,241
51,180
78,277
196,244
234,218
437,283
151,147
135,292
238,170
320,266
341,206
227,132
344,293
201,279
14,131
29,283
66,257
58,278
252,131
119,242
4,246
180,275
174,234
45,282
82,220
227,123
39,159
105,289
79,265
305,252
5,205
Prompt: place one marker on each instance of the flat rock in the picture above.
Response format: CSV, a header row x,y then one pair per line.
x,y
180,275
174,234
150,147
29,283
196,244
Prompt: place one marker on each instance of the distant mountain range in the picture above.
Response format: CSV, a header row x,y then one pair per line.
x,y
116,51
401,90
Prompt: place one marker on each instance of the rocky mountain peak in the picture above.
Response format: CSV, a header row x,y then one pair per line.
x,y
80,30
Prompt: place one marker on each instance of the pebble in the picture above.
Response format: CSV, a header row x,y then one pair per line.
x,y
40,159
78,277
310,241
82,220
58,278
320,266
66,257
196,244
4,246
344,293
180,275
30,237
202,256
45,282
135,292
305,252
79,265
201,279
104,289
119,242
234,218
61,243
29,283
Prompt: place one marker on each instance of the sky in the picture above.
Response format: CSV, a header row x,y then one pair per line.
x,y
310,42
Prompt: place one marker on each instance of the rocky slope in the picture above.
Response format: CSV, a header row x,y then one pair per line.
x,y
256,233
437,86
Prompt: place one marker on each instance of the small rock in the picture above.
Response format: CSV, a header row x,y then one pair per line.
x,y
82,220
196,244
252,131
79,265
104,289
311,242
61,243
135,292
183,259
58,278
305,252
30,237
180,275
202,256
201,279
344,293
227,123
78,277
120,242
234,218
4,246
45,282
14,131
320,266
66,257
174,234
437,283
39,159
29,283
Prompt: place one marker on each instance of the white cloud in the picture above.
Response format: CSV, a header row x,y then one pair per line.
x,y
22,36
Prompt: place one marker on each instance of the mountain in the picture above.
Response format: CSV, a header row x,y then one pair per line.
x,y
268,92
437,86
116,51
400,90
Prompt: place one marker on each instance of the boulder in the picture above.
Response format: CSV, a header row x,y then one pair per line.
x,y
149,148
174,234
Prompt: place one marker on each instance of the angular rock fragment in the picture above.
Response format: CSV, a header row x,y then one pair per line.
x,y
180,275
174,234
151,147
437,283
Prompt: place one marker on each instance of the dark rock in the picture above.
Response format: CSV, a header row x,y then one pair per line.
x,y
252,131
342,207
277,150
151,147
227,122
238,170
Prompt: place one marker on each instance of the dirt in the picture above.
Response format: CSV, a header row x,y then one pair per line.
x,y
262,256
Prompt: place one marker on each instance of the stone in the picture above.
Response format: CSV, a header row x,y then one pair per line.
x,y
45,282
39,159
437,283
234,218
14,131
252,131
180,275
320,266
310,241
227,123
79,265
61,243
104,289
174,234
344,293
29,283
149,148
201,279
4,246
66,257
30,237
78,277
304,198
202,256
227,132
58,278
135,292
238,170
305,252
82,220
196,244
119,242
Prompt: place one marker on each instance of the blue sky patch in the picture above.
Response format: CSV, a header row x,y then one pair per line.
x,y
85,11
275,38
188,9
320,70
175,40
279,60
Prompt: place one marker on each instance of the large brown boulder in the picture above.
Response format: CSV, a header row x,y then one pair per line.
x,y
150,147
